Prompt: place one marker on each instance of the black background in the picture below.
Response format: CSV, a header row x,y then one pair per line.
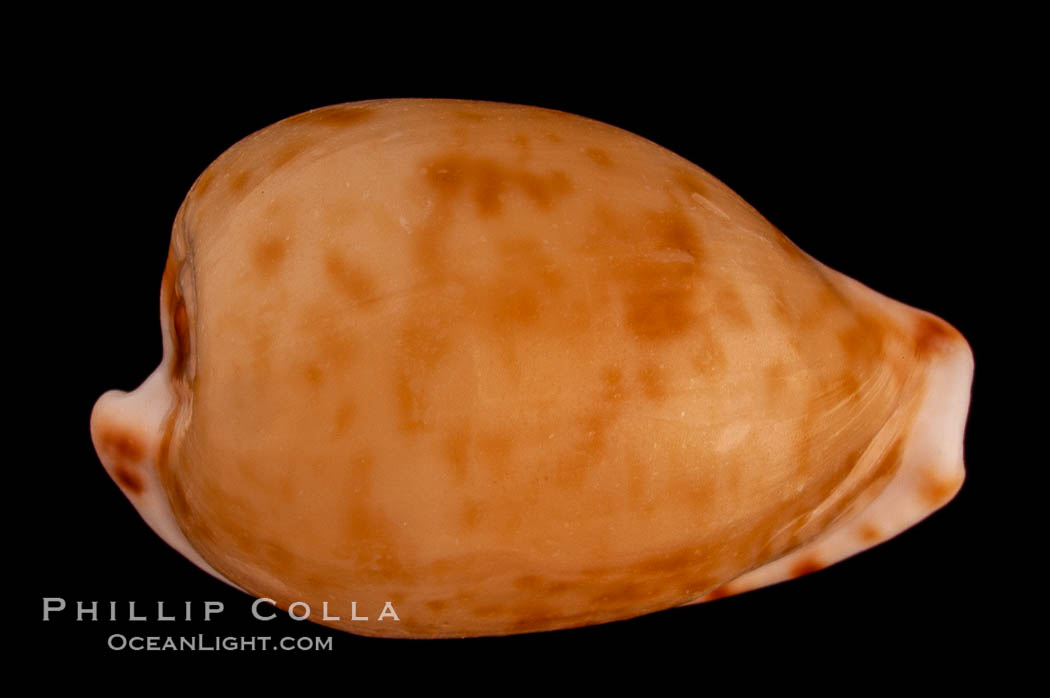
x,y
863,157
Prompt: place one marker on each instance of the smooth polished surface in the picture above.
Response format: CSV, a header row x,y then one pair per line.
x,y
515,370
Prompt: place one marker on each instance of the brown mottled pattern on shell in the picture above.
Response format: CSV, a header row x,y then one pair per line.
x,y
372,352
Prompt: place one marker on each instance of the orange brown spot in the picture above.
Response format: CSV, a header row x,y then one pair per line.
x,y
344,417
869,533
240,181
657,284
488,181
658,314
518,305
601,157
313,374
352,282
521,141
862,339
269,254
937,491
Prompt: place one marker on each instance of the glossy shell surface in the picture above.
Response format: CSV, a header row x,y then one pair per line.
x,y
512,370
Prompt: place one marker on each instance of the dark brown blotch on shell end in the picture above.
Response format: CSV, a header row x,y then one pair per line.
x,y
125,451
719,593
127,479
805,566
121,444
935,336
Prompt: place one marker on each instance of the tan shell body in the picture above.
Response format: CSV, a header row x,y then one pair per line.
x,y
510,370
